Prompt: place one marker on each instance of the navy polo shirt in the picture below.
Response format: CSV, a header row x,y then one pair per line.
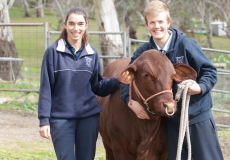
x,y
73,51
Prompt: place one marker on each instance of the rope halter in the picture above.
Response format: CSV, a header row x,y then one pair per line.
x,y
143,99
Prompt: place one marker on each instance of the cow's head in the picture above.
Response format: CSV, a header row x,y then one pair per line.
x,y
153,75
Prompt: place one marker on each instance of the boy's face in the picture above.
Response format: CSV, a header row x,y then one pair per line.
x,y
158,26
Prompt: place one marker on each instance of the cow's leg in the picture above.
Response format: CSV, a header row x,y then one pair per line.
x,y
116,128
121,152
108,152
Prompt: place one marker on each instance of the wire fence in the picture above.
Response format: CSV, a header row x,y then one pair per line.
x,y
31,40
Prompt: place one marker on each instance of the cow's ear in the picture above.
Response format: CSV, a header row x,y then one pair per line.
x,y
127,75
183,72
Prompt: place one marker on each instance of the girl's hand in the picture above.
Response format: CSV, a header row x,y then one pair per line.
x,y
45,131
138,110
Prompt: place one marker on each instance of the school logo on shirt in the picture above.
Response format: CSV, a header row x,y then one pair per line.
x,y
179,59
88,61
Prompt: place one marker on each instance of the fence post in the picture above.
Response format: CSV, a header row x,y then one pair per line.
x,y
45,34
124,45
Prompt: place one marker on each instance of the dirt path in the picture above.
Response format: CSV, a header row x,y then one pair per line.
x,y
18,128
21,127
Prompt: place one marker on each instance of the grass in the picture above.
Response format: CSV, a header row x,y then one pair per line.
x,y
24,106
224,134
24,152
28,151
17,16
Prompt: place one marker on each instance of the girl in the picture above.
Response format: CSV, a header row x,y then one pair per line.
x,y
70,77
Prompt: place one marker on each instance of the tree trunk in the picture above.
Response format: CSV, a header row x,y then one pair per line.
x,y
10,3
7,46
209,27
227,10
200,6
61,16
27,8
40,11
111,44
130,29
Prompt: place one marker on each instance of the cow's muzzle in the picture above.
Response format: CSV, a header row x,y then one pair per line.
x,y
146,100
169,109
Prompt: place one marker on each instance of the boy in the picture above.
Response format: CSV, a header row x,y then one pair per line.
x,y
180,49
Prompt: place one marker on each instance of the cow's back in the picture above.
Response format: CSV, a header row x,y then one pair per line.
x,y
115,68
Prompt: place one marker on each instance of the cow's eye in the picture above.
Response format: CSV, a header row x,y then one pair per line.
x,y
145,75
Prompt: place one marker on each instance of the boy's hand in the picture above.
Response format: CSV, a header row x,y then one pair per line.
x,y
194,88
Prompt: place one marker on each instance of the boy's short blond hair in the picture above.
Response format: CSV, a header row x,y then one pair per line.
x,y
154,7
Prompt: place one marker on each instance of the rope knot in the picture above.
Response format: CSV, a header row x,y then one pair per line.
x,y
181,88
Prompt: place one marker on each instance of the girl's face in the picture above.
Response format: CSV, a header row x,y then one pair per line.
x,y
158,26
75,27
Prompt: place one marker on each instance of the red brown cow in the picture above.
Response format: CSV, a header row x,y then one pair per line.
x,y
126,137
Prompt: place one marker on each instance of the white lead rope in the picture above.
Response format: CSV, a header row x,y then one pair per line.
x,y
184,122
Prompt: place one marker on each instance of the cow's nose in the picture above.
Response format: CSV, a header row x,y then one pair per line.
x,y
170,107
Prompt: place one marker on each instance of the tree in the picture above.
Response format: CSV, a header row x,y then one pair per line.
x,y
7,46
130,13
60,14
206,14
223,6
10,3
208,18
181,16
23,4
107,21
40,11
200,6
60,8
27,8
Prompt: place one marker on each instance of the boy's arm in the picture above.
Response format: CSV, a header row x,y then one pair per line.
x,y
206,71
124,89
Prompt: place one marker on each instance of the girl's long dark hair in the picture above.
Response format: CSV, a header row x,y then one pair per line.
x,y
76,10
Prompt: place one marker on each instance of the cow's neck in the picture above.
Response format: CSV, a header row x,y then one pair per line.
x,y
149,131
